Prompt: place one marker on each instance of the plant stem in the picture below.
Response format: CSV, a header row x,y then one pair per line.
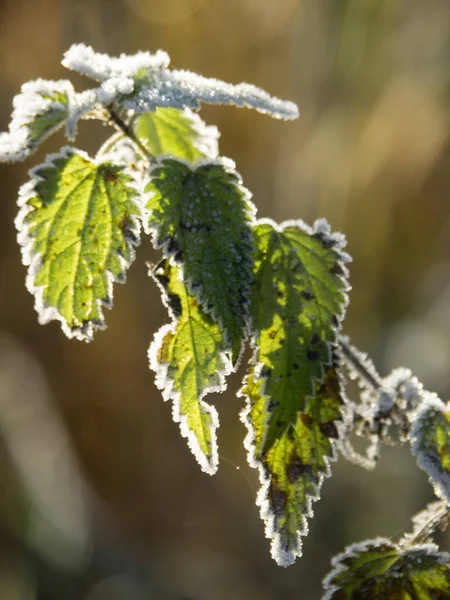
x,y
118,122
357,360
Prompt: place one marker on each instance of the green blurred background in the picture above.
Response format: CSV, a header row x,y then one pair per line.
x,y
99,497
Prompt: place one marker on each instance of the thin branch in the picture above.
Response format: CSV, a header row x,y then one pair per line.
x,y
118,122
356,359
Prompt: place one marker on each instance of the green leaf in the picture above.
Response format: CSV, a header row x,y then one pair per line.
x,y
77,227
201,216
179,133
189,359
41,108
298,298
430,442
379,569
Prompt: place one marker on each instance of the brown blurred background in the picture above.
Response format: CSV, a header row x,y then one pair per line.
x,y
99,497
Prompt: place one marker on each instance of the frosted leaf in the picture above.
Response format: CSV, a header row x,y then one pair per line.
x,y
201,215
430,442
179,133
82,106
100,67
40,109
190,361
142,83
78,225
293,388
425,523
379,569
183,89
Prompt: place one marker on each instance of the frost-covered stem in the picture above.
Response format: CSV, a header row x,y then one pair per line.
x,y
353,356
120,124
438,519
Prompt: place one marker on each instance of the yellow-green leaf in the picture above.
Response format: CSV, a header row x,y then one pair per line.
x,y
78,225
180,133
189,359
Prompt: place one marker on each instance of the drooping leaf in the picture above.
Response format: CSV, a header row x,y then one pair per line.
x,y
179,133
142,82
201,216
379,569
298,297
41,108
430,442
189,359
77,227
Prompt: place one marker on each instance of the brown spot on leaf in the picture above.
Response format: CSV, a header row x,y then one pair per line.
x,y
277,499
329,430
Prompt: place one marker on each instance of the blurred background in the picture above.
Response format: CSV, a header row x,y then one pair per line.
x,y
100,498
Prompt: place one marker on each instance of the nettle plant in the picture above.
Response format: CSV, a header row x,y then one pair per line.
x,y
227,279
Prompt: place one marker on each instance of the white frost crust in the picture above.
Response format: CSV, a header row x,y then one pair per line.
x,y
181,89
81,106
18,144
282,555
153,230
431,550
33,260
100,67
422,446
166,384
426,522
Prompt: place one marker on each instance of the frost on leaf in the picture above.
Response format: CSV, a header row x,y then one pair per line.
x,y
378,568
142,82
77,225
201,216
188,357
430,443
41,108
293,389
179,133
101,67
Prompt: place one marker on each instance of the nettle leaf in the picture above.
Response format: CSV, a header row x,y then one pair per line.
x,y
142,83
189,359
40,109
293,389
378,568
201,216
179,133
78,226
430,442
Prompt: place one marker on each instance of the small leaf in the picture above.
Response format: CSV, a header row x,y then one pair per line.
x,y
40,109
142,83
77,227
179,133
430,442
101,67
379,569
201,216
298,298
189,360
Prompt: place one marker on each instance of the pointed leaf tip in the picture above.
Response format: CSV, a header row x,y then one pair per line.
x,y
189,359
294,388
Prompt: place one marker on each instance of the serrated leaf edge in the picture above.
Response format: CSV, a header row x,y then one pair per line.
x,y
354,550
34,261
166,384
439,479
282,556
153,230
